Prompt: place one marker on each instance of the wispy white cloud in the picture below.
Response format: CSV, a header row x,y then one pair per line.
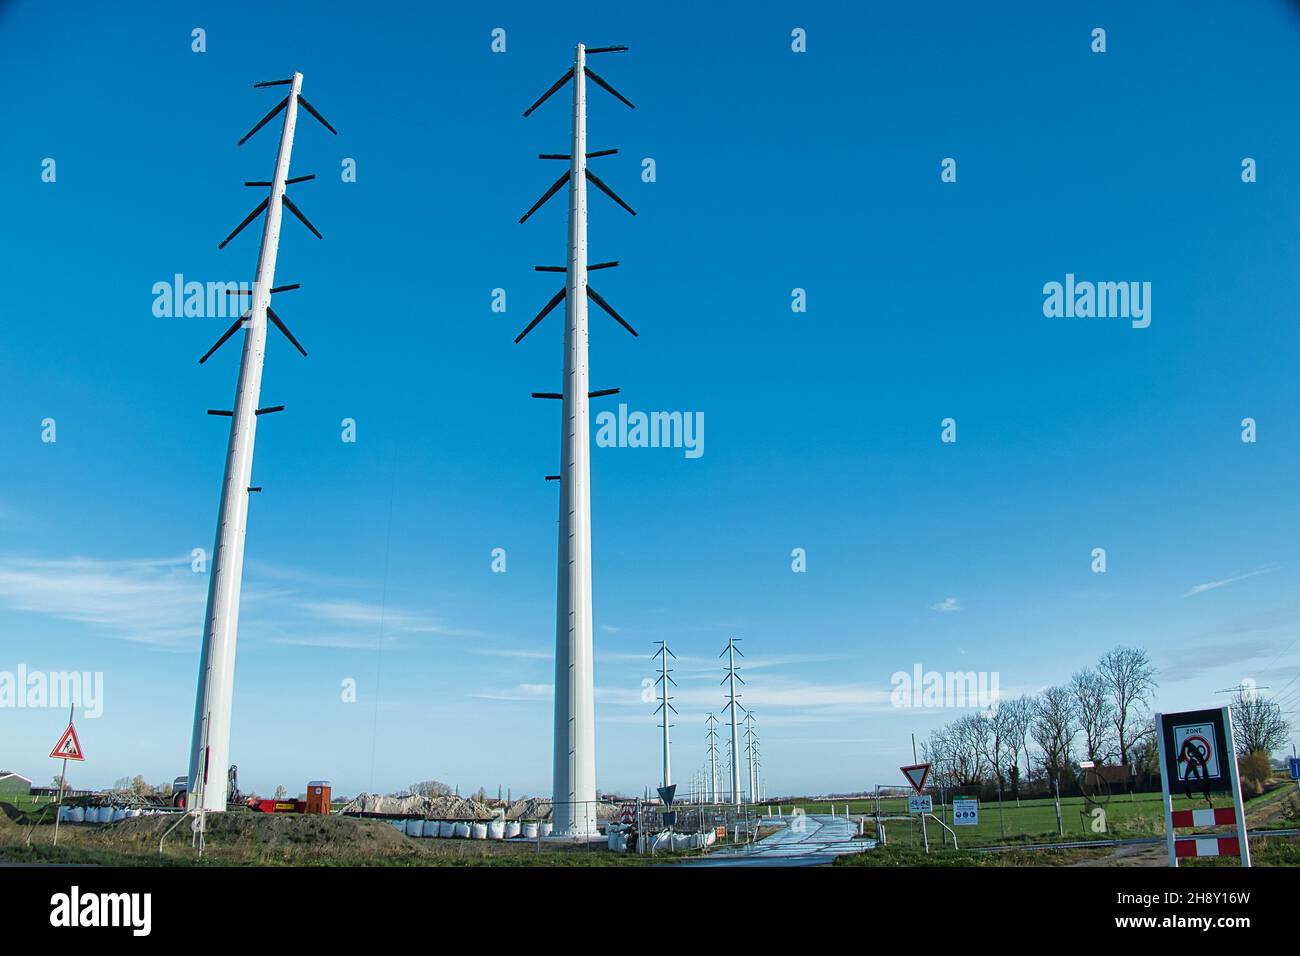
x,y
946,605
154,601
339,641
520,652
796,697
1195,659
520,692
376,616
1212,585
159,601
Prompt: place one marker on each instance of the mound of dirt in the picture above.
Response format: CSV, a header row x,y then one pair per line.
x,y
432,808
235,828
537,808
529,808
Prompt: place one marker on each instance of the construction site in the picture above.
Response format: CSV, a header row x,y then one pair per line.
x,y
358,517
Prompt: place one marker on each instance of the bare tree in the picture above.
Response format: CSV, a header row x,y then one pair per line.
x,y
1257,724
1130,680
958,750
1094,714
1019,714
999,741
969,734
430,788
1054,729
937,750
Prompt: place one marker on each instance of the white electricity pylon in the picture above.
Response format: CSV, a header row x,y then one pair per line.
x,y
574,768
726,777
210,741
733,703
751,753
665,706
711,722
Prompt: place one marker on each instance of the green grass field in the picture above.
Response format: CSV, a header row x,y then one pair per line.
x,y
1126,815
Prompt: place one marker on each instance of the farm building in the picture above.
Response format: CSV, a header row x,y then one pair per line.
x,y
13,783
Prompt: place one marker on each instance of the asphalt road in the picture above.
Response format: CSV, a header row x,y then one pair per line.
x,y
805,841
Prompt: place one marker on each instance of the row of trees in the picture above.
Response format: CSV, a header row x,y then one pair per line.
x,y
1102,715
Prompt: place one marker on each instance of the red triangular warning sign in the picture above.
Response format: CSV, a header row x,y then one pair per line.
x,y
68,747
917,775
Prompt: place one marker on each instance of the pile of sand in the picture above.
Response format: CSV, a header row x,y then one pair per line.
x,y
460,808
537,808
529,808
431,808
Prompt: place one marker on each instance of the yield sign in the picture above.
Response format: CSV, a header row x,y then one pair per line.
x,y
667,793
68,747
917,775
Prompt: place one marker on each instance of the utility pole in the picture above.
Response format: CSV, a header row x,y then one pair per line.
x,y
749,754
711,722
733,702
574,767
210,741
665,705
725,785
754,790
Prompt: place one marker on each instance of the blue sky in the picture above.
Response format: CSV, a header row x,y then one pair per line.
x,y
775,170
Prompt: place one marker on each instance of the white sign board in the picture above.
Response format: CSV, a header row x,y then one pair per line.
x,y
1196,742
965,813
920,804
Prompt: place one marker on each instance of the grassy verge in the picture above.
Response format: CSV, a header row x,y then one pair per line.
x,y
249,839
1034,821
895,855
447,854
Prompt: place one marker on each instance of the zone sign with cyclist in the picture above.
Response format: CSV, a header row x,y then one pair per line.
x,y
1197,753
1196,747
1201,787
